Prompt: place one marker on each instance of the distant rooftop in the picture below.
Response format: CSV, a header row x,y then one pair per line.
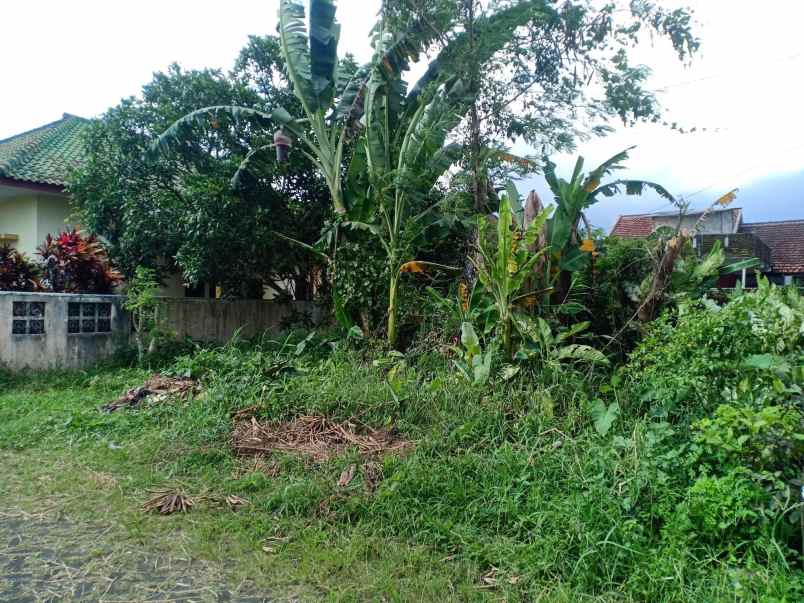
x,y
784,238
45,155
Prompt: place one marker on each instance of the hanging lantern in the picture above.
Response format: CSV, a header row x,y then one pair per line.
x,y
283,143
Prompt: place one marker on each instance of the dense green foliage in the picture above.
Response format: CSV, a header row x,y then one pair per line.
x,y
176,211
557,449
671,478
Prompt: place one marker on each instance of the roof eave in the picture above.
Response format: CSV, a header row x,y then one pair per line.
x,y
42,187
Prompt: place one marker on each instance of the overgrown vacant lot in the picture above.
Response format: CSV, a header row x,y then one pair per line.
x,y
353,474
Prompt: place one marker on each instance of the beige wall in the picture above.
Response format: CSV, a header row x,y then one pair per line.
x,y
31,216
18,217
218,320
52,215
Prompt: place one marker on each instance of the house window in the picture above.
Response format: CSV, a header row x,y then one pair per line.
x,y
89,318
28,318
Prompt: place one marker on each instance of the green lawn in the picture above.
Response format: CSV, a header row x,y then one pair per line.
x,y
510,492
59,451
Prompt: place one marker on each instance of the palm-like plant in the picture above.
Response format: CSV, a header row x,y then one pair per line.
x,y
311,66
406,148
505,265
568,253
332,102
404,151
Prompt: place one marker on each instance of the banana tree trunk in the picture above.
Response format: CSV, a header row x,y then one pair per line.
x,y
507,338
393,310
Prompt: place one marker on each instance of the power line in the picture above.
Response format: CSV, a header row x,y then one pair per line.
x,y
715,76
730,177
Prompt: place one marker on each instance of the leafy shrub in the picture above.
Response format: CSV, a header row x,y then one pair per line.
x,y
74,263
144,306
689,358
16,272
613,286
767,438
724,511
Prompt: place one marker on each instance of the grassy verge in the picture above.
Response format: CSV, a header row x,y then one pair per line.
x,y
59,450
555,486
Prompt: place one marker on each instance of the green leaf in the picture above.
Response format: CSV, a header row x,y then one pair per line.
x,y
583,353
632,188
296,52
509,371
574,260
324,36
604,417
748,264
767,362
545,332
576,328
203,116
481,366
469,339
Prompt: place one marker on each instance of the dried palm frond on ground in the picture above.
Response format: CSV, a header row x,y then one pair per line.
x,y
235,502
167,502
373,474
157,389
313,436
347,476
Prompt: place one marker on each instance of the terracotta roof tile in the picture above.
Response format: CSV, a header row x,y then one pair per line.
x,y
633,226
44,155
786,241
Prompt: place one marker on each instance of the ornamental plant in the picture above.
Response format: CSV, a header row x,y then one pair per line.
x,y
17,273
74,263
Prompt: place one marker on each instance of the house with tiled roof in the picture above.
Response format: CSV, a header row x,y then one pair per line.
x,y
34,168
779,246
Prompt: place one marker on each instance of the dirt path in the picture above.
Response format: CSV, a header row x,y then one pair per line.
x,y
45,557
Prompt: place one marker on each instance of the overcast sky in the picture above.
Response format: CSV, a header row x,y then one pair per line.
x,y
744,87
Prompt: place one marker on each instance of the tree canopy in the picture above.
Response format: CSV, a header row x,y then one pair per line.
x,y
177,210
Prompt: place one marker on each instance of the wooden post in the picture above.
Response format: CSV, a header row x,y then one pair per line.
x,y
744,277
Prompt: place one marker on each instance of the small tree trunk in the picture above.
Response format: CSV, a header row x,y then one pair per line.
x,y
507,339
393,309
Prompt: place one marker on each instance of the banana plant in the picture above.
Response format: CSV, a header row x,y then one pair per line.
x,y
568,252
405,144
504,265
472,363
403,129
331,102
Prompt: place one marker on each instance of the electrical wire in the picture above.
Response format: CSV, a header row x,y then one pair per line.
x,y
722,74
729,177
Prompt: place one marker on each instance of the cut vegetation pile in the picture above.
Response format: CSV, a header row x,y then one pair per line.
x,y
315,437
155,390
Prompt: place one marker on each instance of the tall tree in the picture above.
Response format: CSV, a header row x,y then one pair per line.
x,y
560,78
177,209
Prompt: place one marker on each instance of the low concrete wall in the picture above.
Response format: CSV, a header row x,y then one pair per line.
x,y
218,319
53,330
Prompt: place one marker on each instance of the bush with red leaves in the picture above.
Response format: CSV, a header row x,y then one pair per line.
x,y
74,263
17,273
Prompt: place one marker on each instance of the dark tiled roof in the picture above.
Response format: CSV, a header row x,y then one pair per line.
x,y
44,155
636,226
786,241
